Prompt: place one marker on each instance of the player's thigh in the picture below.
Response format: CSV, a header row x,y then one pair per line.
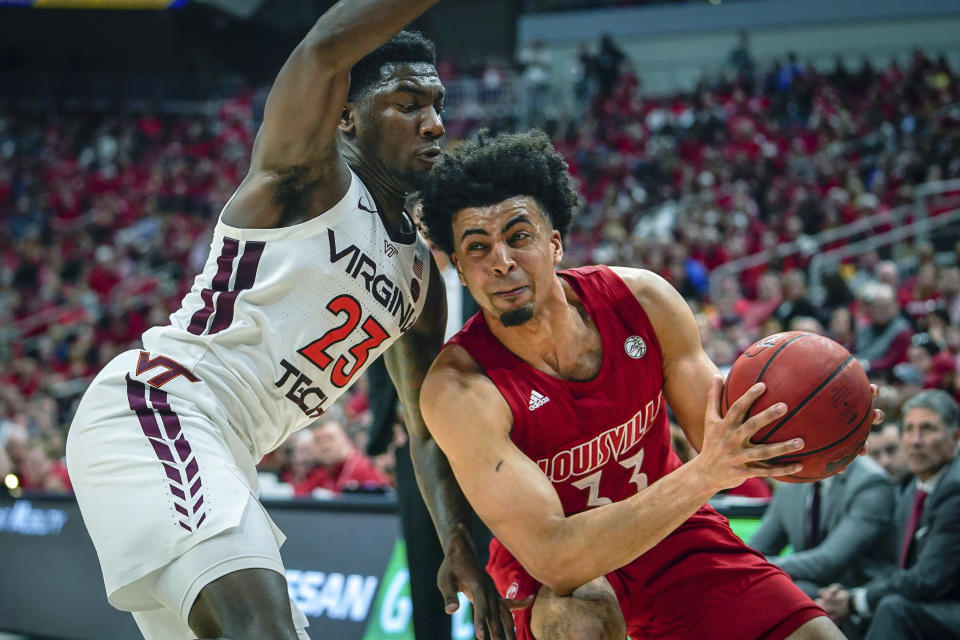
x,y
249,603
232,584
592,612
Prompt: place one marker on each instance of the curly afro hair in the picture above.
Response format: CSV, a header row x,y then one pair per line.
x,y
406,46
486,171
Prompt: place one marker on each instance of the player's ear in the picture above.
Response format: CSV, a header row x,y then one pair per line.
x,y
348,124
556,240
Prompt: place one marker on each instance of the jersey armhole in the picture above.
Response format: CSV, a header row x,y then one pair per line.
x,y
611,288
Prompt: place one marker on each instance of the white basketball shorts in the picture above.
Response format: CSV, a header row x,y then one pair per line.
x,y
167,492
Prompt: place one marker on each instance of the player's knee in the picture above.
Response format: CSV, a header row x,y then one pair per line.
x,y
582,625
606,624
580,620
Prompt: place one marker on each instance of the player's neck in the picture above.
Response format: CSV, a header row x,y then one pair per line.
x,y
554,340
385,187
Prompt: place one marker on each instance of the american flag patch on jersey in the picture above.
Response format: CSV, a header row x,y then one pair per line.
x,y
418,266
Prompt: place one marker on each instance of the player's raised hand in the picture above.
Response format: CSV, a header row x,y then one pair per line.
x,y
492,619
728,457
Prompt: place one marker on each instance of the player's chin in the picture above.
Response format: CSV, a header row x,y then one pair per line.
x,y
518,316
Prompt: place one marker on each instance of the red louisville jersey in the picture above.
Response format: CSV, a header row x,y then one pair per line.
x,y
601,440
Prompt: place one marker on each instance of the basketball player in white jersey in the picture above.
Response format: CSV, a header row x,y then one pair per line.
x,y
315,269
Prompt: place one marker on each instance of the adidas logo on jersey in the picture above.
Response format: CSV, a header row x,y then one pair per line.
x,y
537,400
389,249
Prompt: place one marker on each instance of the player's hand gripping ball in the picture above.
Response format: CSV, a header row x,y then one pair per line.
x,y
828,397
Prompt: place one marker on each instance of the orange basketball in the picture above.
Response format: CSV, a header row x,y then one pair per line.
x,y
828,398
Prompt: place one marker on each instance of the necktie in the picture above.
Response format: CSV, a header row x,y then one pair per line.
x,y
912,523
812,537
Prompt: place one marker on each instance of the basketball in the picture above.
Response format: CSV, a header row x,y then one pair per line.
x,y
828,397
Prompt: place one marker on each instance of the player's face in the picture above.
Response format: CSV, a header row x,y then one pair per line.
x,y
505,254
398,123
928,442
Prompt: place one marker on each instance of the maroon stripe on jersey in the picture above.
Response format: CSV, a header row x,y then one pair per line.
x,y
229,251
181,468
246,275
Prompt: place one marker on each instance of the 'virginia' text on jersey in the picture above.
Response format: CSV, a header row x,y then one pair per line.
x,y
384,291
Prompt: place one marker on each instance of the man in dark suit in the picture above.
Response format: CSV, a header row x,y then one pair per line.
x,y
921,597
838,528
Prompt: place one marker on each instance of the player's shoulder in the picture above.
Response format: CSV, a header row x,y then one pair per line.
x,y
648,287
456,382
453,366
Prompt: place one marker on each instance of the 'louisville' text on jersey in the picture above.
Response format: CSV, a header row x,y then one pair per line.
x,y
589,456
384,291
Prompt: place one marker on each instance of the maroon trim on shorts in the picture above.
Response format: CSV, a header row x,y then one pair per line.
x,y
172,450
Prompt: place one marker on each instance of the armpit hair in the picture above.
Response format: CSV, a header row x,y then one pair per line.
x,y
292,194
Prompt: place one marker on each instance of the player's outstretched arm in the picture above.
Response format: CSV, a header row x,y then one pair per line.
x,y
407,362
471,422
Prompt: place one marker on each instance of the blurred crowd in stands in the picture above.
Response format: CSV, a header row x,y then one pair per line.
x,y
107,215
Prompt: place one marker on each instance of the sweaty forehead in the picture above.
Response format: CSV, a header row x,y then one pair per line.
x,y
496,215
422,75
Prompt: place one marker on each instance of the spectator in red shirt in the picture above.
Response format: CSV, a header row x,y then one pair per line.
x,y
341,467
303,471
41,473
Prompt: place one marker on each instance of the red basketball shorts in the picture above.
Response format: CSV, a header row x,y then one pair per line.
x,y
700,582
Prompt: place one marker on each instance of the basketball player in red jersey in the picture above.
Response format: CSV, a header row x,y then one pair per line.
x,y
551,406
315,270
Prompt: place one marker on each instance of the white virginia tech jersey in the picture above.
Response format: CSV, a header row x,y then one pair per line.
x,y
282,321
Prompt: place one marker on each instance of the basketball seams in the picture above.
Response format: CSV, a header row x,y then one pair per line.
x,y
806,400
791,457
767,364
726,387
